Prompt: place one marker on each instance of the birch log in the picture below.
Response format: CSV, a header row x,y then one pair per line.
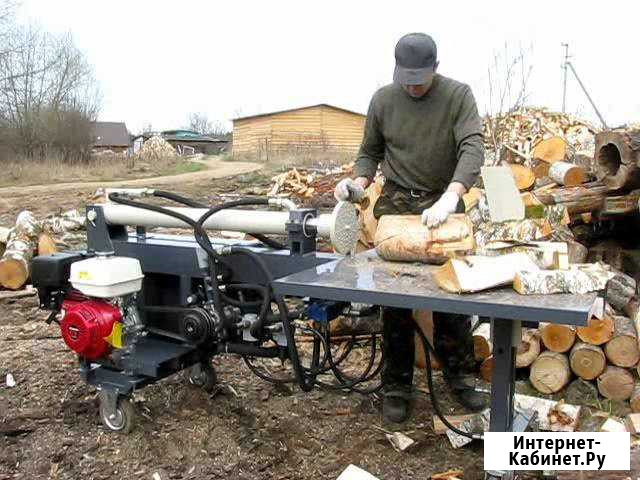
x,y
561,281
528,349
567,174
587,361
616,383
22,243
620,290
622,350
482,346
557,337
550,372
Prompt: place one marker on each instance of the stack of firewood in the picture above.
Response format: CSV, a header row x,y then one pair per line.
x,y
31,237
303,184
156,148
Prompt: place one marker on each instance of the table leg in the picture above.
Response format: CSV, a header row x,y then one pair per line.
x,y
506,336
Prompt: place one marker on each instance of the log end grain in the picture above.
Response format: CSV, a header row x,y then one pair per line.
x,y
597,332
616,383
587,361
558,338
550,372
13,273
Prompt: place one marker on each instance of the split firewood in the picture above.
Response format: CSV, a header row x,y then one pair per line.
x,y
582,392
482,345
456,420
69,221
634,400
471,198
550,150
632,310
448,475
367,222
577,252
616,383
524,176
46,244
575,280
557,337
21,245
518,231
598,331
581,199
528,349
552,416
622,350
632,422
486,369
613,425
540,169
405,238
587,361
567,174
617,153
477,273
620,290
550,372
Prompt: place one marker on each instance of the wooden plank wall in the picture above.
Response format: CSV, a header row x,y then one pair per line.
x,y
321,127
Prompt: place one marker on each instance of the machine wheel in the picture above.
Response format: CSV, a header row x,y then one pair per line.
x,y
122,421
204,376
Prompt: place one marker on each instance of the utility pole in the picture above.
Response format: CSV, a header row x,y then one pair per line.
x,y
564,86
568,65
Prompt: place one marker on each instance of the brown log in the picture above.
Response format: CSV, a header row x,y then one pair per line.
x,y
587,361
21,245
528,349
486,369
634,400
616,383
622,350
540,169
424,321
597,332
550,150
581,199
367,222
456,420
550,372
46,245
556,337
524,176
617,155
482,346
567,174
404,238
477,273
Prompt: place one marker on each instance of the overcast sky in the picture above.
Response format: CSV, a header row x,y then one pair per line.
x,y
157,61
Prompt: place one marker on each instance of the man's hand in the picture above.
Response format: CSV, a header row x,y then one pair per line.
x,y
439,211
348,190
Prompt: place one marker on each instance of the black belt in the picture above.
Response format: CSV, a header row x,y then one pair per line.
x,y
414,192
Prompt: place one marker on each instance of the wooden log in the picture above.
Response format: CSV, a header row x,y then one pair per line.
x,y
476,273
424,321
567,174
617,155
620,204
367,222
634,400
404,238
550,150
550,372
616,383
514,231
575,280
482,346
528,349
622,350
597,332
587,361
524,176
552,415
581,199
16,260
620,291
557,337
540,169
582,392
46,245
486,369
577,252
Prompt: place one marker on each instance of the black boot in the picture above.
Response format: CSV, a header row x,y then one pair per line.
x,y
463,388
397,404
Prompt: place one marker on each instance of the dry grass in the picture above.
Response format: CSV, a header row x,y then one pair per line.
x,y
25,172
302,157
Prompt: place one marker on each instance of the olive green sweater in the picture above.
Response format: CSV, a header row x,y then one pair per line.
x,y
423,143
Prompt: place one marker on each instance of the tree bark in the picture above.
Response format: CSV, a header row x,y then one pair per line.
x,y
587,361
561,281
617,155
616,383
567,174
550,372
15,263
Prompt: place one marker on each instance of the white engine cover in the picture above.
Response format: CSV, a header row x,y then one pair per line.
x,y
106,277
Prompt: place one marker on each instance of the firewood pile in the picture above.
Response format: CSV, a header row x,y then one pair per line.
x,y
156,148
31,237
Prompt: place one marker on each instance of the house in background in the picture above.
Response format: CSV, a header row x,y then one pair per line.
x,y
111,136
187,142
317,127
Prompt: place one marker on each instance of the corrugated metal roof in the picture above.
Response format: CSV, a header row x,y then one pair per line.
x,y
110,134
299,108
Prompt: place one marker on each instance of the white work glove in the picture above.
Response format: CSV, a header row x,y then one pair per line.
x,y
348,190
439,211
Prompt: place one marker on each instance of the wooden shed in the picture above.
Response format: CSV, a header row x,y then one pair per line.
x,y
317,127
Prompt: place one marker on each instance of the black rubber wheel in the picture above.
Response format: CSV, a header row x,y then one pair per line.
x,y
124,418
203,376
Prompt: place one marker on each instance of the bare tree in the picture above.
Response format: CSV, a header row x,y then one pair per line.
x,y
508,78
199,122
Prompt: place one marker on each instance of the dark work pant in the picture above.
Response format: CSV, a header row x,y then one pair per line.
x,y
452,341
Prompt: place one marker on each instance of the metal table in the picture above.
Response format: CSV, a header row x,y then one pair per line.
x,y
368,279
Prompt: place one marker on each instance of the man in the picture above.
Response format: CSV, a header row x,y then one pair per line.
x,y
425,134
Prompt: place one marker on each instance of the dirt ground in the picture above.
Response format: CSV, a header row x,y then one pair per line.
x,y
246,429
